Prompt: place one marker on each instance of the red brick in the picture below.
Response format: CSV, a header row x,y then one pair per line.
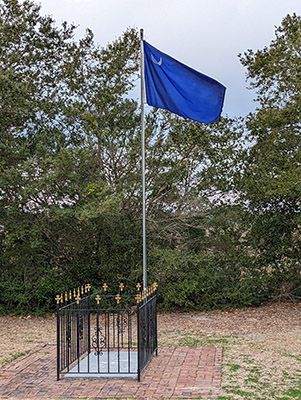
x,y
185,372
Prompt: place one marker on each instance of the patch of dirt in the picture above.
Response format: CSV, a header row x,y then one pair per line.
x,y
19,335
261,347
268,319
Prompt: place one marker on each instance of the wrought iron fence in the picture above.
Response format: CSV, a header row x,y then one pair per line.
x,y
105,335
147,332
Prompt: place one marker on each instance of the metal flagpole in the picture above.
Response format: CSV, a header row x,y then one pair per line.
x,y
143,159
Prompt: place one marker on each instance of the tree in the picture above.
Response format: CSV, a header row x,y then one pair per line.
x,y
62,105
70,174
70,167
271,180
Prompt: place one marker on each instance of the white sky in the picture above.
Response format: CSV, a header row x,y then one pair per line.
x,y
207,35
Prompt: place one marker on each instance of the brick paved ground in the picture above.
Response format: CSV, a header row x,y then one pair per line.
x,y
184,372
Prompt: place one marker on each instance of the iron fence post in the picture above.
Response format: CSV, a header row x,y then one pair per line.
x,y
138,343
58,340
89,330
77,335
156,322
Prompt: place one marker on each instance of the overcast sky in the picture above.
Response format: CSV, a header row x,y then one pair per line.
x,y
207,35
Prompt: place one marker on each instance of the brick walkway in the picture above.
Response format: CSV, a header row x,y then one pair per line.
x,y
184,372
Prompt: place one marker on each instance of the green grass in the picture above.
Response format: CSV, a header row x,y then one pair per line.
x,y
16,355
242,393
298,358
191,342
294,393
254,374
258,381
233,367
13,356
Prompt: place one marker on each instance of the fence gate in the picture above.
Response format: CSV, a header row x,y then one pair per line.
x,y
105,335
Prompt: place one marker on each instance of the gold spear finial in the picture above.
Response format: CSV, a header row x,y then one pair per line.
x,y
66,296
74,293
117,298
138,298
82,290
70,295
62,298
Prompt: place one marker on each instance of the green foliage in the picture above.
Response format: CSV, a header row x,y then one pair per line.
x,y
271,174
66,130
203,282
223,218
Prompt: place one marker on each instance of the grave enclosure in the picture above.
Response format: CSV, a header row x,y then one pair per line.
x,y
105,335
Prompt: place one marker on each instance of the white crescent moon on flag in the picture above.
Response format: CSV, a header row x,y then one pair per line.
x,y
155,61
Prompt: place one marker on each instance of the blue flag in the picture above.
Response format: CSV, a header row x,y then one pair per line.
x,y
173,86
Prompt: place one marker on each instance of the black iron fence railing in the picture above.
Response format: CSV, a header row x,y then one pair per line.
x,y
105,335
147,332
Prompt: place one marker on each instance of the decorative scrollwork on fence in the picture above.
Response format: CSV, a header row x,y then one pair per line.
x,y
98,341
